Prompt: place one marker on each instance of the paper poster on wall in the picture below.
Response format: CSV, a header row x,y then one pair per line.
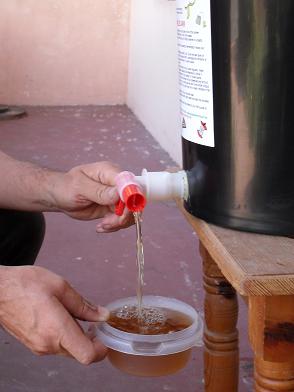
x,y
195,70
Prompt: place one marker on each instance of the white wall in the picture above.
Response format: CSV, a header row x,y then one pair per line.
x,y
153,73
65,52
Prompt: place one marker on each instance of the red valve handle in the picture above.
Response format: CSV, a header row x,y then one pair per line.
x,y
130,193
119,207
134,198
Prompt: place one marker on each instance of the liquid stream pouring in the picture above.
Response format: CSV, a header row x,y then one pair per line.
x,y
154,338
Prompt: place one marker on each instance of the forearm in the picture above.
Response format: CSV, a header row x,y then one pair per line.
x,y
24,186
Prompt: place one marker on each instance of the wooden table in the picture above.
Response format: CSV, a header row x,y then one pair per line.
x,y
260,268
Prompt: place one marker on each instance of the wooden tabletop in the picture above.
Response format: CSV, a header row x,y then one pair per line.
x,y
254,264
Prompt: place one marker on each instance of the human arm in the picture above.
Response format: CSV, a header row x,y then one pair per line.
x,y
84,192
25,186
40,309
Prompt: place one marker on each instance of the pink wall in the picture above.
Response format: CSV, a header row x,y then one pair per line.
x,y
55,52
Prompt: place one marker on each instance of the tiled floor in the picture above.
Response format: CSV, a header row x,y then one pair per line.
x,y
102,267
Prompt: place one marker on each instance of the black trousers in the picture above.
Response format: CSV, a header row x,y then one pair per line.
x,y
21,236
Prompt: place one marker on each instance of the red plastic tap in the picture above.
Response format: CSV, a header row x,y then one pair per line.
x,y
130,192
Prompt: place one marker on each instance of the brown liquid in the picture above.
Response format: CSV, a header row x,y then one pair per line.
x,y
149,321
149,366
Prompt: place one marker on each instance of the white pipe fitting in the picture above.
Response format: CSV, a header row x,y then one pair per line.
x,y
159,186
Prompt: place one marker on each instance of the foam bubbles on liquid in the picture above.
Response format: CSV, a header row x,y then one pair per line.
x,y
148,320
148,315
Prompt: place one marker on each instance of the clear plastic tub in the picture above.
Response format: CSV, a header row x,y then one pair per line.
x,y
152,355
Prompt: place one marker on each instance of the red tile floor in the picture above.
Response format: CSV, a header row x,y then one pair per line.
x,y
102,267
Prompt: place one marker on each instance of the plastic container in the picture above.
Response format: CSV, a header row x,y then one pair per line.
x,y
246,180
151,355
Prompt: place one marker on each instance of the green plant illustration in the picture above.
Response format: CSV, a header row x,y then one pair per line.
x,y
188,8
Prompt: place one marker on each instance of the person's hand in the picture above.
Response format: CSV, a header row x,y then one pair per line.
x,y
39,308
88,192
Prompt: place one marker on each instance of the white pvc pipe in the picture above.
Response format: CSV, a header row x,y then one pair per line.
x,y
159,186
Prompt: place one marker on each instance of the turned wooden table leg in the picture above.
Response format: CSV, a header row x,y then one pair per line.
x,y
271,331
221,356
273,376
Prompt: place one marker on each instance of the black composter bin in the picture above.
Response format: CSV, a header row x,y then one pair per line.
x,y
246,181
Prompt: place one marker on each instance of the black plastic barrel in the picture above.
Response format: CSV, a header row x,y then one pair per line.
x,y
246,181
